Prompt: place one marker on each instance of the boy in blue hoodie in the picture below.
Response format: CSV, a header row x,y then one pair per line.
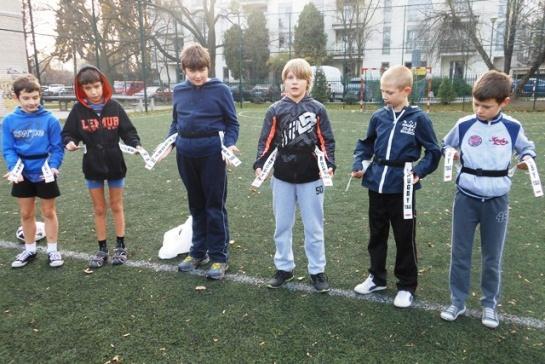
x,y
204,117
32,139
395,137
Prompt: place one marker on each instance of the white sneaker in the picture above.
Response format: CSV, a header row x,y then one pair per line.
x,y
55,259
23,259
452,313
403,299
368,286
490,318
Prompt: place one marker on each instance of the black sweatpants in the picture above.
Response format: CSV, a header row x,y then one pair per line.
x,y
386,209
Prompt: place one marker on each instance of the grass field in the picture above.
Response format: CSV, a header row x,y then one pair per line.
x,y
142,316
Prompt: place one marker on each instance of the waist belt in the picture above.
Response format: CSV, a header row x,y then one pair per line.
x,y
34,156
191,134
389,162
484,172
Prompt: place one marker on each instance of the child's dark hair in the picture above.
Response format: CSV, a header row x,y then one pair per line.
x,y
89,75
195,57
27,83
492,85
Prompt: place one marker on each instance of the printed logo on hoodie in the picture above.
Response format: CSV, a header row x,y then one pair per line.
x,y
296,129
28,133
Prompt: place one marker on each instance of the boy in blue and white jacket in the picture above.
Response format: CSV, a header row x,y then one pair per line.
x,y
33,135
484,143
396,135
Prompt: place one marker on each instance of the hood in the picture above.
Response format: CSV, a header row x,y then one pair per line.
x,y
188,85
23,114
106,86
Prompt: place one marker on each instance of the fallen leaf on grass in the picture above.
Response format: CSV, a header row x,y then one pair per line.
x,y
127,334
300,278
200,288
231,242
88,271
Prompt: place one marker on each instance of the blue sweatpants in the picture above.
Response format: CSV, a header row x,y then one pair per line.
x,y
205,180
492,215
310,199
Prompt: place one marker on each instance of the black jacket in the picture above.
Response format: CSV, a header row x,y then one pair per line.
x,y
100,134
296,129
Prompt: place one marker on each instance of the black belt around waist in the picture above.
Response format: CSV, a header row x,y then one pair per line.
x,y
34,156
191,135
389,162
484,172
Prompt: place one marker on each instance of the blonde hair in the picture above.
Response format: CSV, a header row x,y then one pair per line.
x,y
300,68
399,76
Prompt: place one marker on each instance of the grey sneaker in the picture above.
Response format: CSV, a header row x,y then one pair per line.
x,y
189,263
490,318
23,259
280,277
452,313
217,270
98,260
55,259
319,281
120,256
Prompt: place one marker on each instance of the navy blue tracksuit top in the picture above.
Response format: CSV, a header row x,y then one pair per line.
x,y
397,139
199,113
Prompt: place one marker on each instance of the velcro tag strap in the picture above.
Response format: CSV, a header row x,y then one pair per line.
x,y
534,177
227,153
322,166
267,167
127,149
449,164
47,173
16,174
408,191
160,150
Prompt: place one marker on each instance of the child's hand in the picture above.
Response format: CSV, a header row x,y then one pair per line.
x,y
330,171
7,175
166,153
415,179
357,174
55,171
234,149
257,172
456,156
71,147
522,164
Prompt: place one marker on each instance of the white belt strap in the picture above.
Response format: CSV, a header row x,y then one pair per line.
x,y
408,191
267,167
322,166
228,153
160,150
534,177
449,164
47,172
16,174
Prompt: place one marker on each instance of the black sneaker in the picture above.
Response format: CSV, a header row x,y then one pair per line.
x,y
319,281
280,277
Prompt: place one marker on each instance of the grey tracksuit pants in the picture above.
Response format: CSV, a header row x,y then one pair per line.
x,y
310,199
492,215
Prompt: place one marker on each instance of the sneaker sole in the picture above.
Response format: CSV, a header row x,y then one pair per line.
x,y
56,264
377,288
217,278
450,319
490,325
190,269
323,290
285,281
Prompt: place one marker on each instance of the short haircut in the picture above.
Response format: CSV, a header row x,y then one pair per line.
x,y
399,76
89,75
300,68
492,85
27,83
195,57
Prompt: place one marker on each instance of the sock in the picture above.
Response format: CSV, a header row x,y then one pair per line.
x,y
102,246
121,242
31,247
51,247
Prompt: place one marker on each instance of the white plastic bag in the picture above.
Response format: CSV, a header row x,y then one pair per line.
x,y
177,240
40,232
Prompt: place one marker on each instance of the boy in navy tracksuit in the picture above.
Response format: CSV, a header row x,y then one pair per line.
x,y
33,135
99,123
203,107
484,143
295,126
395,136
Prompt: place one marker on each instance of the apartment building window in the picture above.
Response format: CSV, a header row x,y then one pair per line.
x,y
387,11
456,69
417,9
386,38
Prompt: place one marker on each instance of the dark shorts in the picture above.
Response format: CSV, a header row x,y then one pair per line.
x,y
35,189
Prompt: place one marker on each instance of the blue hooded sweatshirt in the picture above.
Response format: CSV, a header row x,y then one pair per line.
x,y
199,113
33,137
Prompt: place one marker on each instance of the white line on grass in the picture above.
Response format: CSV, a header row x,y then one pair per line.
x,y
299,287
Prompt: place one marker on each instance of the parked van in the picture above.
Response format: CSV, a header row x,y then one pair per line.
x,y
333,77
